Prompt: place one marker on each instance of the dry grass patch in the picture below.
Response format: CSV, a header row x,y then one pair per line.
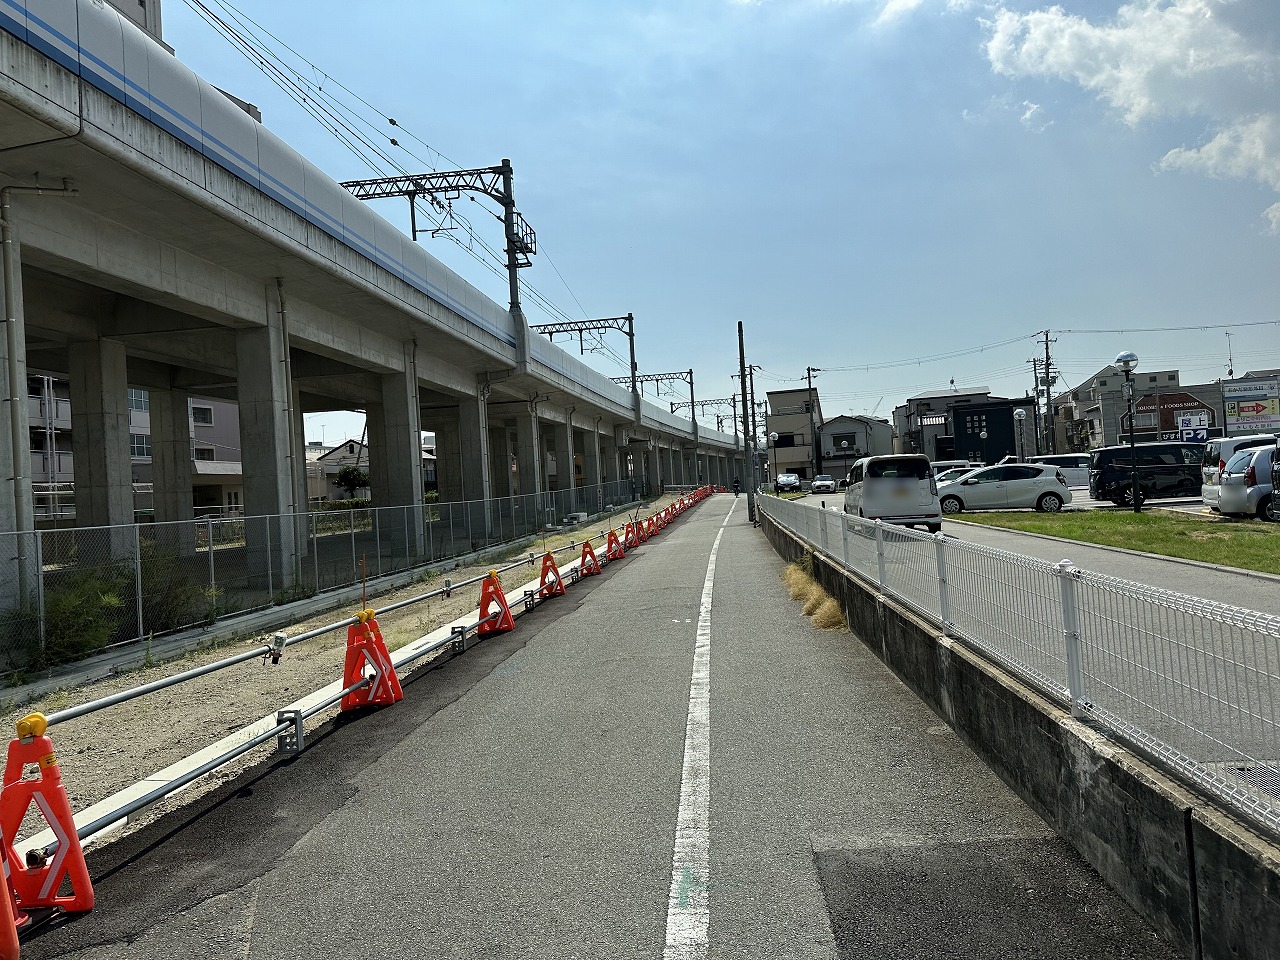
x,y
819,605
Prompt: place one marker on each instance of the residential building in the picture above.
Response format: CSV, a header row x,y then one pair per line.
x,y
846,439
794,415
923,424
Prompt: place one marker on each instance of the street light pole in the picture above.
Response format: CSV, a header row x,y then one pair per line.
x,y
1020,415
1127,362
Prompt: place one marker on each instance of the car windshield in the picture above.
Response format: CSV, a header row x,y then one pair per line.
x,y
822,477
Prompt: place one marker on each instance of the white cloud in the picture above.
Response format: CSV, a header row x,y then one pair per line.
x,y
1163,59
895,9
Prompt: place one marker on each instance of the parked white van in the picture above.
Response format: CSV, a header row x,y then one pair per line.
x,y
898,488
1074,466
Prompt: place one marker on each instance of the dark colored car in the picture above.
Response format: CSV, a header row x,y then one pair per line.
x,y
1168,469
786,483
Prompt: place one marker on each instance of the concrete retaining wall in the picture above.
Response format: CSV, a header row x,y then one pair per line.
x,y
1208,883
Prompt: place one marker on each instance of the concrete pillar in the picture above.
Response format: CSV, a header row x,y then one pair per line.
x,y
448,457
529,451
501,478
473,437
171,468
171,472
100,441
562,437
591,476
265,396
400,436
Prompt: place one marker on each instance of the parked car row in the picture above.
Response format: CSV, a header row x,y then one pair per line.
x,y
1234,475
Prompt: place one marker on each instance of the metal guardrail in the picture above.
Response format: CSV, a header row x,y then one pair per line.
x,y
65,594
1192,683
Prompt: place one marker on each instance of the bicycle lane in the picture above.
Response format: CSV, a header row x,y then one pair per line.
x,y
847,820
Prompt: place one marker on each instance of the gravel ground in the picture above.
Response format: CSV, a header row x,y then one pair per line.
x,y
108,750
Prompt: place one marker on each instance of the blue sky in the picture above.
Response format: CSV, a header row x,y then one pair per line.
x,y
866,184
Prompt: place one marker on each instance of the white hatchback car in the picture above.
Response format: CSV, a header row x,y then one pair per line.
x,y
1009,486
823,483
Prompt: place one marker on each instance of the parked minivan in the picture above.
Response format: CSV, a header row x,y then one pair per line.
x,y
1074,466
1216,454
897,488
1167,469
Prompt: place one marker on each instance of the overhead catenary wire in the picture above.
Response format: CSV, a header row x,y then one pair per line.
x,y
367,141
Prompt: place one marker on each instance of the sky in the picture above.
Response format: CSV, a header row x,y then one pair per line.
x,y
900,193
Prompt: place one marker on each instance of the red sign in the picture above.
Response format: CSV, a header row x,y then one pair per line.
x,y
1252,408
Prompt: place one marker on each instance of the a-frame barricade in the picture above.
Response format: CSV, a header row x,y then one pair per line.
x,y
630,540
588,566
36,882
651,527
366,648
614,549
550,584
491,595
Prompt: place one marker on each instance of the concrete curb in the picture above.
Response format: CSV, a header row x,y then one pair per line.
x,y
1202,878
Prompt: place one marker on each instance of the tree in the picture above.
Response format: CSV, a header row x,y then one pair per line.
x,y
350,479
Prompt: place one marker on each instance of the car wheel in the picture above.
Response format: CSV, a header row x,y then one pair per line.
x,y
1265,511
1126,498
934,527
1049,503
951,505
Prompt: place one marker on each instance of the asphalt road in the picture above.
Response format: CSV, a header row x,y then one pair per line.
x,y
522,802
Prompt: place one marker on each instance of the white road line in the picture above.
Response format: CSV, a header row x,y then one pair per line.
x,y
687,913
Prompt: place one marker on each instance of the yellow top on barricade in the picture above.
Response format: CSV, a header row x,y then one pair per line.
x,y
32,725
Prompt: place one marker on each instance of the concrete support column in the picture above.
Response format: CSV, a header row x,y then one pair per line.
x,y
477,483
529,451
473,437
100,442
265,396
448,457
591,478
502,479
398,438
171,471
566,478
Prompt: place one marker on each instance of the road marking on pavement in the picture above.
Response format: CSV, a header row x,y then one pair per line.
x,y
687,913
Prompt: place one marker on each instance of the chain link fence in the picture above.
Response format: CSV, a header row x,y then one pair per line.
x,y
1193,683
67,593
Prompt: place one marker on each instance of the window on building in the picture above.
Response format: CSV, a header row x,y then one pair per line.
x,y
351,449
850,438
204,453
139,399
785,440
1102,383
1172,376
202,416
1144,420
139,445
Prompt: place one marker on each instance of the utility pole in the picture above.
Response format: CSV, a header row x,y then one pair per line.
x,y
1048,394
1035,408
750,448
813,431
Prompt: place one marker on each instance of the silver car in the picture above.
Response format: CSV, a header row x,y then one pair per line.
x,y
1244,486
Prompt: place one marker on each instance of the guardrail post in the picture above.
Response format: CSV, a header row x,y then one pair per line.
x,y
944,589
315,550
845,524
290,743
137,576
377,538
884,581
822,526
271,592
1065,573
